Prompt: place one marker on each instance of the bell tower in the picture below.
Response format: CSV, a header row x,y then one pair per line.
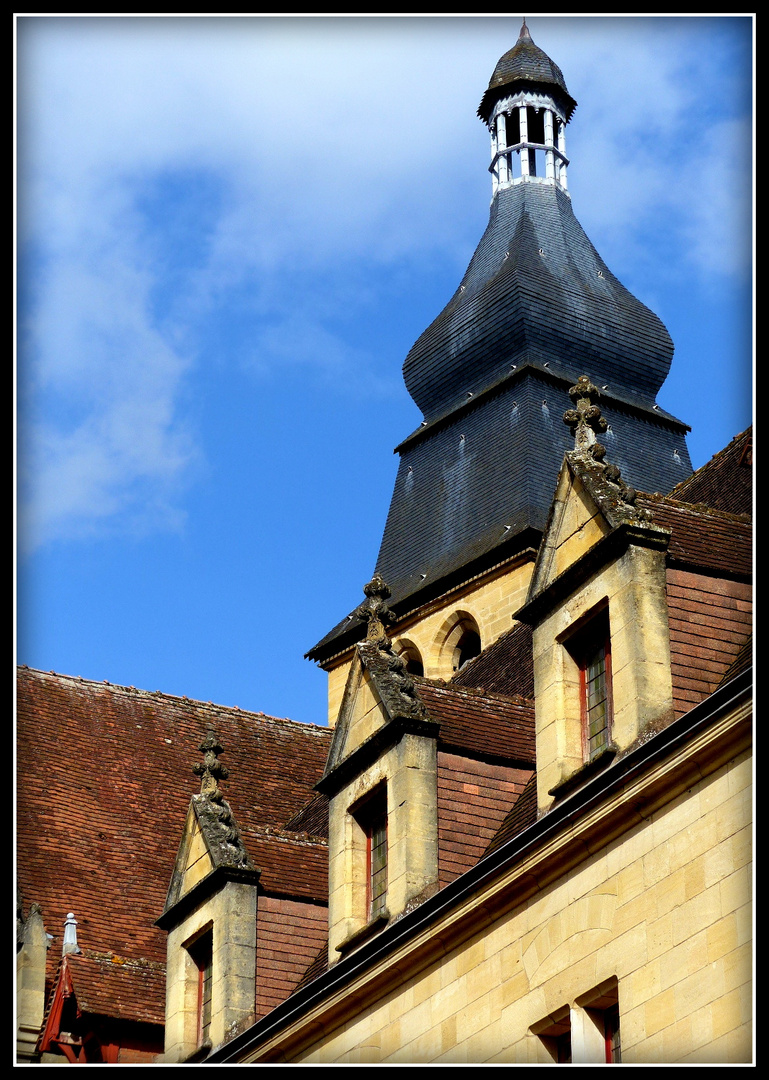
x,y
536,308
528,124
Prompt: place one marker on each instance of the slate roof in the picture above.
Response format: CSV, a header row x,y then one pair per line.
x,y
537,290
536,309
477,491
104,783
525,65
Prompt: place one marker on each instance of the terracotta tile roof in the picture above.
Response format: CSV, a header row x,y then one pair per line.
x,y
292,864
478,723
312,818
505,667
114,986
522,814
703,537
726,481
742,662
104,781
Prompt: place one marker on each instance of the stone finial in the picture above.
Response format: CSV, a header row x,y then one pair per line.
x,y
375,611
210,770
585,419
70,945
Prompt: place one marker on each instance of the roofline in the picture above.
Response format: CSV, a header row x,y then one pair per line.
x,y
642,758
182,701
522,546
564,377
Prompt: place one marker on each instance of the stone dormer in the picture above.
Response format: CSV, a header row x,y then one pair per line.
x,y
381,780
210,917
597,605
31,947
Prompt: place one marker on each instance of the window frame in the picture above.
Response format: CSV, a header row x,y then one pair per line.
x,y
201,953
371,816
589,644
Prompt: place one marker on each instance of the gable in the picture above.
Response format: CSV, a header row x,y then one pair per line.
x,y
378,691
194,860
576,524
360,714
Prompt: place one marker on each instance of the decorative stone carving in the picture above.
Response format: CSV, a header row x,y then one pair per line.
x,y
585,419
214,811
615,496
210,770
374,610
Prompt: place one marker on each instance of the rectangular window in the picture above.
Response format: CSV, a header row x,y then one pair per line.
x,y
591,648
202,952
554,1033
599,1012
377,848
372,818
611,1035
587,1032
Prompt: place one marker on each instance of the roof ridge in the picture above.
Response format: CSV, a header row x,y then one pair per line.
x,y
120,962
698,507
480,692
747,433
181,699
277,833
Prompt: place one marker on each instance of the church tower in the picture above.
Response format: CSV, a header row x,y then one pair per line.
x,y
537,308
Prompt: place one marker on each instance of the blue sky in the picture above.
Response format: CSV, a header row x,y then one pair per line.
x,y
230,233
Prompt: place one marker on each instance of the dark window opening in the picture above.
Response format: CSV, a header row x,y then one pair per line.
x,y
536,125
555,1035
468,646
412,658
513,128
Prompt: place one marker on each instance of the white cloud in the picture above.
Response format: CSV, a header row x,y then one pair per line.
x,y
328,143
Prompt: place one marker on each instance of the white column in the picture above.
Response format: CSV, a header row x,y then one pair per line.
x,y
494,162
562,148
549,155
524,139
503,162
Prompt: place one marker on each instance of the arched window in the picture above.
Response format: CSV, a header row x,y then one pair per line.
x,y
468,646
411,656
461,642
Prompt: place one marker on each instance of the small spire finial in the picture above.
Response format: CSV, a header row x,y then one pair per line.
x,y
210,770
585,418
69,944
375,611
524,34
